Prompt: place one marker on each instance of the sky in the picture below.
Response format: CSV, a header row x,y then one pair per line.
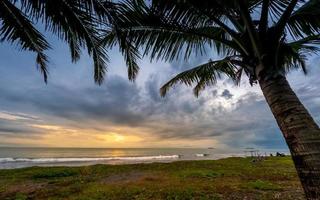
x,y
72,111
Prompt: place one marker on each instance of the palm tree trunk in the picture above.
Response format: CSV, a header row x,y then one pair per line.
x,y
300,131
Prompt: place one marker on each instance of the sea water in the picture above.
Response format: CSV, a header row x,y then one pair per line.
x,y
25,157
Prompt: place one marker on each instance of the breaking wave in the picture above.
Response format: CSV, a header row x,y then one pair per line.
x,y
58,160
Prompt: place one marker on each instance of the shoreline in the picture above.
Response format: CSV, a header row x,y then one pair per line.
x,y
19,163
27,157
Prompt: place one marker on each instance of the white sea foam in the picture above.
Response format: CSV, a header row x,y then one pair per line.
x,y
201,154
58,160
6,160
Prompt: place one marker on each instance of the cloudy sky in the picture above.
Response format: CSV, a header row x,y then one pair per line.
x,y
71,111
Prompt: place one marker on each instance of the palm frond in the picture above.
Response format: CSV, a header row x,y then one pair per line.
x,y
76,22
203,75
284,18
293,55
306,19
17,28
296,52
169,36
42,61
129,52
307,45
294,60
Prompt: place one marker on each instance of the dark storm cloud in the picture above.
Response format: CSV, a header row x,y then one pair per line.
x,y
20,116
116,101
226,94
214,93
12,128
189,117
152,87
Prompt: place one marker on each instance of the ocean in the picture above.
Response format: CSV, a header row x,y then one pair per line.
x,y
26,157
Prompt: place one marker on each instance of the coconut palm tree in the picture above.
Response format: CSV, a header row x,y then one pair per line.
x,y
260,39
76,22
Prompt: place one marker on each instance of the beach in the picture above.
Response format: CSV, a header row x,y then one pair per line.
x,y
230,178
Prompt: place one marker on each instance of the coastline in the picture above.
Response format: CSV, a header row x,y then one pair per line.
x,y
28,157
16,163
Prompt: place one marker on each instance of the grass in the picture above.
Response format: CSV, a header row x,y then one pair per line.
x,y
231,178
48,173
263,185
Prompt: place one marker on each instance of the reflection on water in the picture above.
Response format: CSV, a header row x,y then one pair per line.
x,y
117,153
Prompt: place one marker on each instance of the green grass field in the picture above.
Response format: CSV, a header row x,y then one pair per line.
x,y
231,178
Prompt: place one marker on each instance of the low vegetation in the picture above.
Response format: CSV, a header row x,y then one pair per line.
x,y
231,178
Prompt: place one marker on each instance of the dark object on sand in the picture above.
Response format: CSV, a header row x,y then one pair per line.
x,y
280,154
